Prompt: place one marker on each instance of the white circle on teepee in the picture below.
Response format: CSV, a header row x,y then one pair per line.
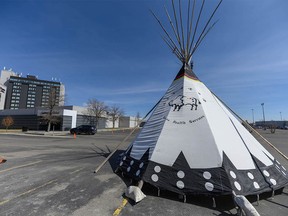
x,y
157,169
121,163
141,165
154,177
256,185
209,186
232,174
273,181
128,169
180,184
250,175
283,168
237,185
138,173
124,158
207,175
180,174
131,162
266,173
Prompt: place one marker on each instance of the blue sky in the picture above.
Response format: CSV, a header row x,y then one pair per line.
x,y
112,51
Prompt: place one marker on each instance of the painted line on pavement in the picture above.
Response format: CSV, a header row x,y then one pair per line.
x,y
16,167
27,192
75,171
33,189
119,209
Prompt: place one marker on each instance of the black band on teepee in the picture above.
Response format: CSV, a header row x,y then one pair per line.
x,y
186,71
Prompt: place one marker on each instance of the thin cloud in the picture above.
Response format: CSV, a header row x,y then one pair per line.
x,y
133,90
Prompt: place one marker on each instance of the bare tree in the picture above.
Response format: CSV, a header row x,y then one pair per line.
x,y
115,112
51,116
96,110
7,122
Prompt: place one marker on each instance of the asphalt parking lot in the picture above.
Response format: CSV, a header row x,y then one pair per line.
x,y
55,176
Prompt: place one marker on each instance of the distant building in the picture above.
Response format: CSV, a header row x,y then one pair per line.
x,y
32,119
25,99
276,124
70,116
105,121
128,122
2,96
19,92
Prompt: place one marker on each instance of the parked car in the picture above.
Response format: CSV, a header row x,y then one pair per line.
x,y
84,129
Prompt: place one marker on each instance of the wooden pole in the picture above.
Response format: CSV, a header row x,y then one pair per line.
x,y
112,153
269,143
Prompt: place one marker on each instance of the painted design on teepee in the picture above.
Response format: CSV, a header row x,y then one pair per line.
x,y
133,168
181,178
182,100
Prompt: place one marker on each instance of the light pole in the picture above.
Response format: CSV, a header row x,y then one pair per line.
x,y
253,115
262,104
281,116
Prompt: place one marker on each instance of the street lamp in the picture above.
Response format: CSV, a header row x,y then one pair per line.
x,y
281,116
253,115
262,104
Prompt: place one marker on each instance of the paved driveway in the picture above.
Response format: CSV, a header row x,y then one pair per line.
x,y
54,176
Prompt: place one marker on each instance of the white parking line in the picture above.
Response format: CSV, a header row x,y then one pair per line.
x,y
24,165
27,192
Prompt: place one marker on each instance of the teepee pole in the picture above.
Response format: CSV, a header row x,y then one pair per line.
x,y
187,28
196,26
191,25
201,39
165,31
182,30
177,27
181,42
269,143
172,25
112,153
205,27
174,50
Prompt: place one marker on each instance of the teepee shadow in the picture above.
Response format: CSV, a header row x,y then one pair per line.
x,y
271,201
224,214
105,152
101,151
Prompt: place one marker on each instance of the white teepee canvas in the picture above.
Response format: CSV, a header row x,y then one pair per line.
x,y
193,144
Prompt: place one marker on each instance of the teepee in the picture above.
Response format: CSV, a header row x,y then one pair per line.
x,y
192,143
